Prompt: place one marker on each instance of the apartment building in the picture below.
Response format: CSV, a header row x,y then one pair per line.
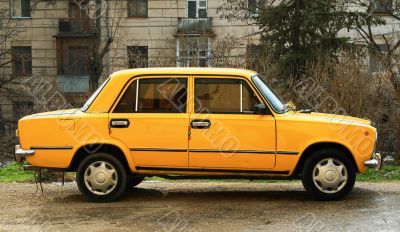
x,y
56,37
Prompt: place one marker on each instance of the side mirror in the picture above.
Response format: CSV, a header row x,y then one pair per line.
x,y
260,109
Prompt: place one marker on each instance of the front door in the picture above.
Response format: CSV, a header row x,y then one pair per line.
x,y
151,119
225,133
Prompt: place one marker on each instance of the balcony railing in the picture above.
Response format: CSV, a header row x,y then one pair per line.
x,y
194,26
76,26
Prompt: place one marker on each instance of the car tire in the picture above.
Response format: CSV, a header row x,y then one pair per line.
x,y
101,178
329,174
134,181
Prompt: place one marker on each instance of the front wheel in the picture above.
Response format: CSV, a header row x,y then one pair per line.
x,y
329,174
101,178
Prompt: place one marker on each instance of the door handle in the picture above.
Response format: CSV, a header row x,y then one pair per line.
x,y
200,124
119,123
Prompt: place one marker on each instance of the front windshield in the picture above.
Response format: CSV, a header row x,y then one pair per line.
x,y
275,102
94,95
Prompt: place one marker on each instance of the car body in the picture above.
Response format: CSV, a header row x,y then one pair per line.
x,y
196,122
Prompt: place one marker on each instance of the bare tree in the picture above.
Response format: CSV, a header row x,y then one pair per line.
x,y
107,15
8,32
384,44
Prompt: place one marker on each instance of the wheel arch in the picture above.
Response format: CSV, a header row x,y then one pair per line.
x,y
322,145
93,148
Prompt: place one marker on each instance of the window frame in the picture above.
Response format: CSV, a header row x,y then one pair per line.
x,y
198,7
137,16
186,59
130,49
242,79
379,8
14,68
11,4
250,12
138,78
71,50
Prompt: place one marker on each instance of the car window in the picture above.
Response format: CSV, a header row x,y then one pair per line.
x,y
221,95
154,95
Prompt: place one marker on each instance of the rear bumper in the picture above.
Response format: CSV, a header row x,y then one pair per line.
x,y
20,153
375,162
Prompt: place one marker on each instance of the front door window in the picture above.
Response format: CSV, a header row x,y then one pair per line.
x,y
223,96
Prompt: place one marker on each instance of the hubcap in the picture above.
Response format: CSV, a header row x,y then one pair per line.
x,y
101,178
330,175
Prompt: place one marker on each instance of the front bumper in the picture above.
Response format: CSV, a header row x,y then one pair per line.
x,y
375,162
20,153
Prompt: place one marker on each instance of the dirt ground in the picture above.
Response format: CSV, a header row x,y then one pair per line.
x,y
200,206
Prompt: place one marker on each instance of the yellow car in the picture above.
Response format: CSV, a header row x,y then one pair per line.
x,y
203,122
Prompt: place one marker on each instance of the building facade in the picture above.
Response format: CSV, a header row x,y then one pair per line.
x,y
56,39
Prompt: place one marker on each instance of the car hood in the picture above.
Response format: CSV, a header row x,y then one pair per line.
x,y
52,114
330,118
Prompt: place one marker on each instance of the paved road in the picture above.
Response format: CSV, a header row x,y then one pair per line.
x,y
200,206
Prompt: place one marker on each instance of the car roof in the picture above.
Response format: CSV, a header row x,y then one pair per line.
x,y
183,71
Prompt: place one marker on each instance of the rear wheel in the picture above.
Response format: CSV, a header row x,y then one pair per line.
x,y
101,177
329,174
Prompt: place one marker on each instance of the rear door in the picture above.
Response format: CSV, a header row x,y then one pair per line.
x,y
225,132
151,119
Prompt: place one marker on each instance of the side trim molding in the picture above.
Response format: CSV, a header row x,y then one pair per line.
x,y
216,150
51,147
146,168
287,153
158,149
234,151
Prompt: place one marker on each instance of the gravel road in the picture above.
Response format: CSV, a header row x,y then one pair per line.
x,y
200,206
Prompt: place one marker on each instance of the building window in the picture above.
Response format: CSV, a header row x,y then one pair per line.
x,y
74,60
193,51
154,95
137,8
253,7
22,108
137,56
20,8
77,63
382,6
217,95
22,61
197,9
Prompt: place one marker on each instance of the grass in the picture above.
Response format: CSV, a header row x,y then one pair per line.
x,y
14,172
387,173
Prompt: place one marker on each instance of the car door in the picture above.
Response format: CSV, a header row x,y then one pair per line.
x,y
225,132
151,119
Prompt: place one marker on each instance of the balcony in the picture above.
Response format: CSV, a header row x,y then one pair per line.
x,y
76,28
194,26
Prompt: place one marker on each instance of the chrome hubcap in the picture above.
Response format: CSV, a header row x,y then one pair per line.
x,y
330,175
101,178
